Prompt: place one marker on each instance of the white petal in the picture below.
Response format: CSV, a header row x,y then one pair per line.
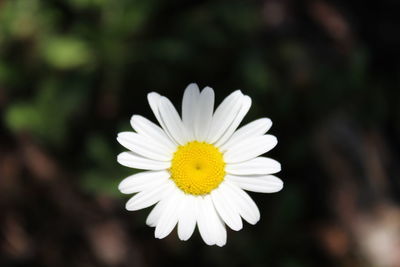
x,y
169,216
172,121
187,218
155,214
154,98
210,226
149,197
215,224
143,146
246,104
151,131
253,129
260,165
220,228
224,115
226,209
250,148
142,181
189,107
154,102
202,221
260,184
205,108
245,205
133,160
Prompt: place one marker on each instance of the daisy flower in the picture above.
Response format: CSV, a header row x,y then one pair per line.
x,y
197,166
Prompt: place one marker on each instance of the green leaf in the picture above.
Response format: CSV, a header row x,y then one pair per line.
x,y
66,52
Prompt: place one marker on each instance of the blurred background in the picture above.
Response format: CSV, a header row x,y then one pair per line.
x,y
72,72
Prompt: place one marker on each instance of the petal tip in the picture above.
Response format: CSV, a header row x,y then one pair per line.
x,y
267,121
128,207
277,182
153,94
121,187
192,88
119,140
135,117
280,186
208,88
192,85
237,92
274,140
221,244
152,97
238,227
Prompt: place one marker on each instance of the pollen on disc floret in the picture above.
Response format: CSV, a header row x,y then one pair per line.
x,y
197,168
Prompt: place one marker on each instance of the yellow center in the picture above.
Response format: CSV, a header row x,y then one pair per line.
x,y
197,168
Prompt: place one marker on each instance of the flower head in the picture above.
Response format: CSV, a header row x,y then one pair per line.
x,y
197,166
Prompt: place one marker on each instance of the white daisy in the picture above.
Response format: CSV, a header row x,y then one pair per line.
x,y
198,166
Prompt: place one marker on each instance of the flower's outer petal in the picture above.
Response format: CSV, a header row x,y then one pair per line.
x,y
143,146
225,209
169,216
260,165
250,148
133,160
245,205
154,102
202,221
246,104
155,214
253,129
149,197
210,226
153,132
172,121
257,183
220,228
189,107
187,218
224,115
142,181
204,112
215,223
154,98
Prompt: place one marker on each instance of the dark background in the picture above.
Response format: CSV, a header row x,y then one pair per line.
x,y
72,72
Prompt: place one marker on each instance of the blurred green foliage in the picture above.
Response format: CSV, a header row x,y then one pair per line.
x,y
66,52
47,114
